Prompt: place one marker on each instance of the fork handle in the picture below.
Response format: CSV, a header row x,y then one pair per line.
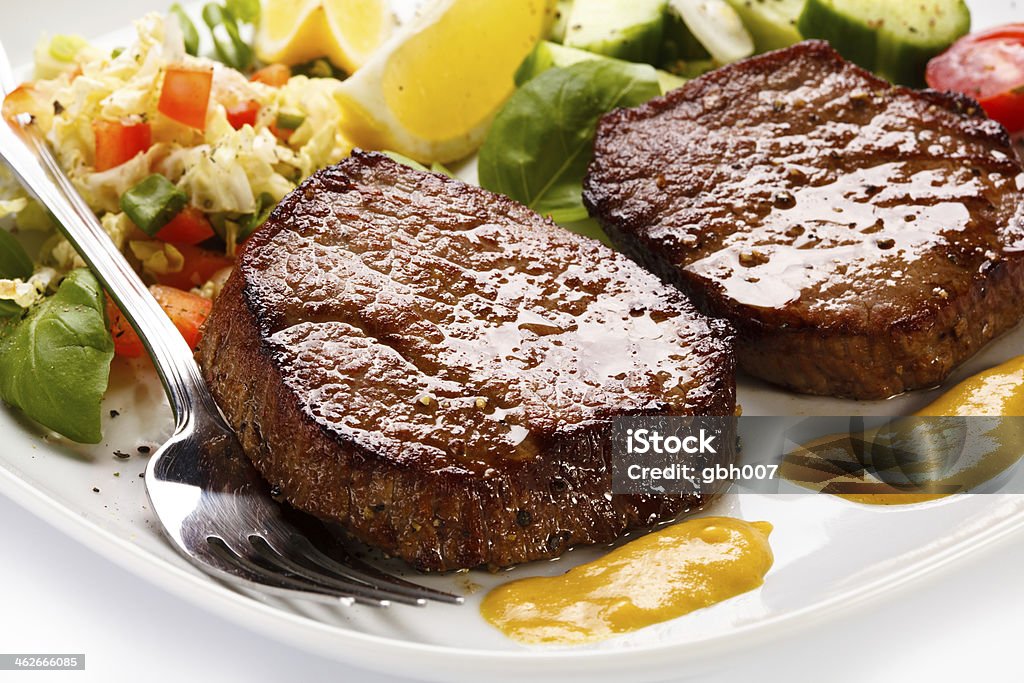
x,y
34,164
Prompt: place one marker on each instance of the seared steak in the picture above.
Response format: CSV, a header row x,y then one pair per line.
x,y
863,239
436,367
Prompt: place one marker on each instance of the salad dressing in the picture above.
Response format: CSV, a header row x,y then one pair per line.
x,y
660,576
995,393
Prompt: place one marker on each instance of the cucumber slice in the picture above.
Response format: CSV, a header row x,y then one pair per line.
x,y
561,23
679,43
548,55
624,29
718,28
894,39
772,23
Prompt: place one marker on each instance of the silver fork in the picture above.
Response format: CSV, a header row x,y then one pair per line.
x,y
212,504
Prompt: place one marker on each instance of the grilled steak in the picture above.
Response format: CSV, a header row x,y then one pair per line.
x,y
436,367
863,239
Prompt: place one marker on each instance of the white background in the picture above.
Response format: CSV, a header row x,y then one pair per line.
x,y
57,596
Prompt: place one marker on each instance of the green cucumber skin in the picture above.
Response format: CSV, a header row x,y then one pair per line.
x,y
548,55
679,44
772,23
900,61
637,42
853,39
563,8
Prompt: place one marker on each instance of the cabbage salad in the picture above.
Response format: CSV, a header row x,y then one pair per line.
x,y
182,157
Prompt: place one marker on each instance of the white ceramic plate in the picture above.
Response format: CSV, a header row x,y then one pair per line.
x,y
830,554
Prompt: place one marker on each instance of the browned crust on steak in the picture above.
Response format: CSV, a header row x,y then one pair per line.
x,y
704,185
432,508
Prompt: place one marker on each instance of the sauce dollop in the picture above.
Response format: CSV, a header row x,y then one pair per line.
x,y
995,393
998,392
657,577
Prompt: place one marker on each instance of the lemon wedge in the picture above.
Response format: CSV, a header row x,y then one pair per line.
x,y
345,31
431,92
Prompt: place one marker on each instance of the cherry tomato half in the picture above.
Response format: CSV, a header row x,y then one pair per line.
x,y
988,66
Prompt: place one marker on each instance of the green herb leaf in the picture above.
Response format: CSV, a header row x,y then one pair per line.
x,y
55,362
248,224
14,261
319,68
244,10
227,41
14,264
540,144
153,203
188,29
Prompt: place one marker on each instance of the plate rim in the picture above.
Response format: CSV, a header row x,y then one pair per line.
x,y
376,652
365,649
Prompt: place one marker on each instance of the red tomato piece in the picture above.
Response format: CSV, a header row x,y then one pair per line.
x,y
185,95
126,343
274,74
188,227
988,66
187,311
118,142
200,266
243,114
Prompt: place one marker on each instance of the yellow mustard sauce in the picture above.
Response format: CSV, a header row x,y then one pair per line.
x,y
998,392
657,577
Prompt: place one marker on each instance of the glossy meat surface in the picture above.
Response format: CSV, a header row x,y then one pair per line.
x,y
863,239
450,364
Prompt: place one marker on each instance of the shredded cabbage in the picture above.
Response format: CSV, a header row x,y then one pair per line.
x,y
157,258
12,206
26,293
223,170
228,174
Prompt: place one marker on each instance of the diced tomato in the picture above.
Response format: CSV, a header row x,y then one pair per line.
x,y
275,75
118,142
187,311
243,114
185,95
988,66
200,266
188,227
126,343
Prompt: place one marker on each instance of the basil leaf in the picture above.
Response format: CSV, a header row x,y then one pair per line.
x,y
14,261
55,362
14,264
541,142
